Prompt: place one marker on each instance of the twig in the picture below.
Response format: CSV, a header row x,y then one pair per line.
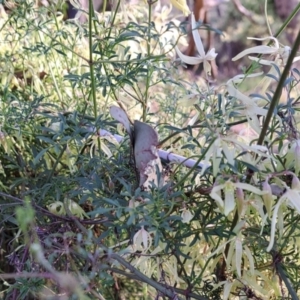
x,y
168,156
166,291
245,12
177,290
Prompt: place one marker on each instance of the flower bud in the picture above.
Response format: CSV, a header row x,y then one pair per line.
x,y
186,216
297,157
295,183
111,185
56,127
240,201
268,197
293,156
229,201
57,208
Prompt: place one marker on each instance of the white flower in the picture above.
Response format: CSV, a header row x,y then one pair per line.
x,y
274,50
249,107
239,254
292,197
181,5
56,126
142,240
229,187
293,156
260,49
214,151
202,58
277,55
277,51
186,216
228,284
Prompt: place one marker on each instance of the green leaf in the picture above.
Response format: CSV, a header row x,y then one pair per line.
x,y
39,156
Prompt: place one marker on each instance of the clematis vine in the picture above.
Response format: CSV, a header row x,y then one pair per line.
x,y
203,57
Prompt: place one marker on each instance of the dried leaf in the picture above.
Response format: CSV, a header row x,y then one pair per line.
x,y
120,115
145,152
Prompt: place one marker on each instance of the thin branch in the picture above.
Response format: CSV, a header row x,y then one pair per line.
x,y
278,91
244,11
168,156
177,290
166,291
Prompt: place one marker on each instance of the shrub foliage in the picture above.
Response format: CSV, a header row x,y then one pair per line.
x,y
76,220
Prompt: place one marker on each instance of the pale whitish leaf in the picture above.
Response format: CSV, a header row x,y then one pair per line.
x,y
217,251
239,226
257,286
264,39
142,239
240,77
216,195
230,253
181,5
105,149
261,61
250,188
250,259
112,139
188,101
145,153
238,256
229,153
273,223
197,38
190,60
295,183
229,201
294,199
227,289
256,49
120,115
297,58
280,221
194,119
